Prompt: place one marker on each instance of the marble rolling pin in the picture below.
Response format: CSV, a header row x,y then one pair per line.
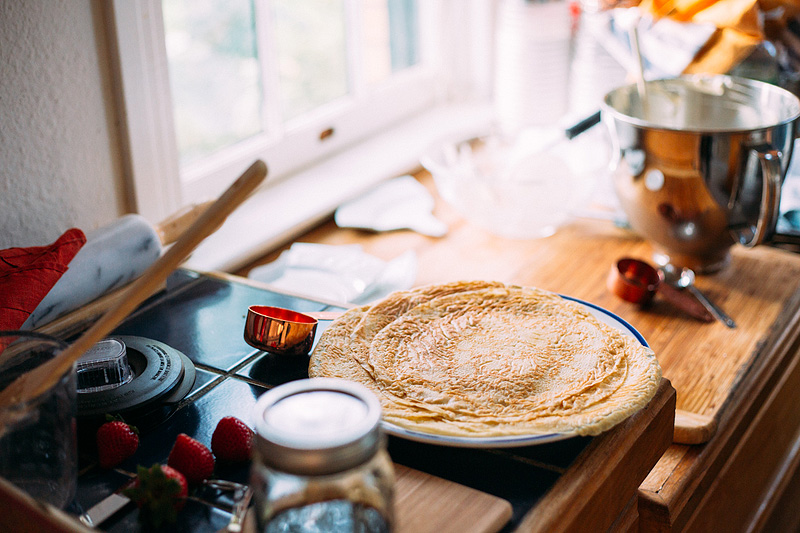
x,y
112,257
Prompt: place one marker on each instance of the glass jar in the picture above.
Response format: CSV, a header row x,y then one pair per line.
x,y
38,439
319,459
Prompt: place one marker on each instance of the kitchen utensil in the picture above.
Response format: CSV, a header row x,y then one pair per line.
x,y
113,256
39,380
569,133
698,166
278,330
683,278
283,331
634,281
638,282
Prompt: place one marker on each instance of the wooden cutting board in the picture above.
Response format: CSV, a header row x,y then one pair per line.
x,y
429,503
426,503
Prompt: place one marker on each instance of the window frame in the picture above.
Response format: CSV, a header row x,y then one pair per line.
x,y
158,185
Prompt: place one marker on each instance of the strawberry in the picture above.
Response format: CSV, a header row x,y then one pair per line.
x,y
116,441
232,440
160,492
191,458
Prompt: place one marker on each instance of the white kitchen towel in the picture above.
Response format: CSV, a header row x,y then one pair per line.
x,y
399,203
343,273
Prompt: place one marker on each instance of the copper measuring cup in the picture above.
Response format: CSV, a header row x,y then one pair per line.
x,y
283,331
638,282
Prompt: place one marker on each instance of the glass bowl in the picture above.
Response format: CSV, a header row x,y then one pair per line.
x,y
524,189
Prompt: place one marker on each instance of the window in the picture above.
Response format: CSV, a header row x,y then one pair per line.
x,y
210,85
239,69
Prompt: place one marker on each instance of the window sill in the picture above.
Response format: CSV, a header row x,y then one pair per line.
x,y
279,212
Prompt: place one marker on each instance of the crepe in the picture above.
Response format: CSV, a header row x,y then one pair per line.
x,y
484,359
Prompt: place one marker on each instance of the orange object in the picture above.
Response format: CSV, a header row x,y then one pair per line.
x,y
278,330
638,282
634,281
738,29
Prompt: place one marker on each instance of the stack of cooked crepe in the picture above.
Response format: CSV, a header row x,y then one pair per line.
x,y
484,359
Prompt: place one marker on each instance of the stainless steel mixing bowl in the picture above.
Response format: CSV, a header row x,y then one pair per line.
x,y
698,163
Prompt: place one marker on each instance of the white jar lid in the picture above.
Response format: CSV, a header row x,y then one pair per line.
x,y
317,426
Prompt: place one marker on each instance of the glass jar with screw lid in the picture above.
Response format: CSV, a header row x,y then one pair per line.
x,y
319,459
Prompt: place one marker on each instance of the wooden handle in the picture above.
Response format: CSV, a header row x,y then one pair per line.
x,y
171,228
43,377
685,302
691,428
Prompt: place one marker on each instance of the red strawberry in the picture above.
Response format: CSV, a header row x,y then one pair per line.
x,y
116,441
232,440
160,492
191,458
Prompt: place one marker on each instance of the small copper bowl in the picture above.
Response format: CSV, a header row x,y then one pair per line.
x,y
279,331
634,280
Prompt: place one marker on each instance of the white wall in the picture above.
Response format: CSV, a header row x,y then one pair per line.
x,y
60,165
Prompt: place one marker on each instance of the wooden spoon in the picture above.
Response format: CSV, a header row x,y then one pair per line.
x,y
41,378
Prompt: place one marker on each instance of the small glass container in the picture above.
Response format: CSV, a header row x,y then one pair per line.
x,y
320,462
38,439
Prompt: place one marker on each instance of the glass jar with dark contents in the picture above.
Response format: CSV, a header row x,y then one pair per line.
x,y
320,462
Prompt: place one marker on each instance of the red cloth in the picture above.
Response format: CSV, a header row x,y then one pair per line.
x,y
28,274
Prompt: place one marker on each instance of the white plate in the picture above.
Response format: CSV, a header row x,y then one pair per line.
x,y
516,440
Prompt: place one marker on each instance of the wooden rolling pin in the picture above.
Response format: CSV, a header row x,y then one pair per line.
x,y
112,257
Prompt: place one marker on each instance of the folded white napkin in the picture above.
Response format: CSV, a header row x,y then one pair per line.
x,y
340,273
399,203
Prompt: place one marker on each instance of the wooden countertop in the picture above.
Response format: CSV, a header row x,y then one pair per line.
x,y
716,371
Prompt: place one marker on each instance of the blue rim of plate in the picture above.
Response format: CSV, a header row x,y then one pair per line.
x,y
514,441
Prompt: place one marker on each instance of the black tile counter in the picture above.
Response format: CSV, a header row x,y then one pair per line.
x,y
203,316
